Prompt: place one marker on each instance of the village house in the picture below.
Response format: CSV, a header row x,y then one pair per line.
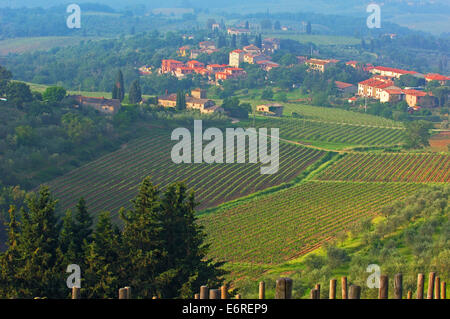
x,y
169,66
237,31
236,58
273,109
253,59
197,101
391,72
230,73
195,64
106,106
372,88
145,70
319,64
346,88
442,79
207,45
417,99
270,45
184,50
267,65
391,95
252,49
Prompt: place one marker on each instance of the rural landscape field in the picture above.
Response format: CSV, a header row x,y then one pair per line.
x,y
213,151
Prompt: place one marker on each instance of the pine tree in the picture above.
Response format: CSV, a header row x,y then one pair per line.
x,y
233,41
142,243
118,91
221,42
67,241
41,274
244,40
102,277
135,95
11,261
183,240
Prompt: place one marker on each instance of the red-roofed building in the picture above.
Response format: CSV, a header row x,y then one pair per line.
x,y
267,65
391,95
442,79
213,68
182,71
195,64
319,64
236,58
372,87
392,72
416,98
169,66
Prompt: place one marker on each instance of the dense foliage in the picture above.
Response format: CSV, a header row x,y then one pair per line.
x,y
159,251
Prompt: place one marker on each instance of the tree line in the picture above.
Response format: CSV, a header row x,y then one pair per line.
x,y
159,250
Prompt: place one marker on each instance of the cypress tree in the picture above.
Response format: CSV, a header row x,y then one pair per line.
x,y
118,91
181,101
135,95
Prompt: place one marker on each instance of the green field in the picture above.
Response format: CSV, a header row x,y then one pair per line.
x,y
112,181
314,38
277,227
21,45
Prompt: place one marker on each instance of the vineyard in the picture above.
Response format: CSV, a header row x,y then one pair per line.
x,y
112,181
390,167
308,130
280,226
336,115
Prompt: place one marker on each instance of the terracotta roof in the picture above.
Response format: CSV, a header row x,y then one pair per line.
x,y
394,91
415,92
436,77
394,70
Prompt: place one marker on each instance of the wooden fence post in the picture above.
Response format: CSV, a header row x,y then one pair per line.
x,y
238,296
314,294
262,290
333,289
204,292
344,287
224,292
128,288
437,287
197,296
420,283
409,296
283,288
318,290
383,291
443,290
431,277
154,297
214,294
123,294
355,292
75,293
398,286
